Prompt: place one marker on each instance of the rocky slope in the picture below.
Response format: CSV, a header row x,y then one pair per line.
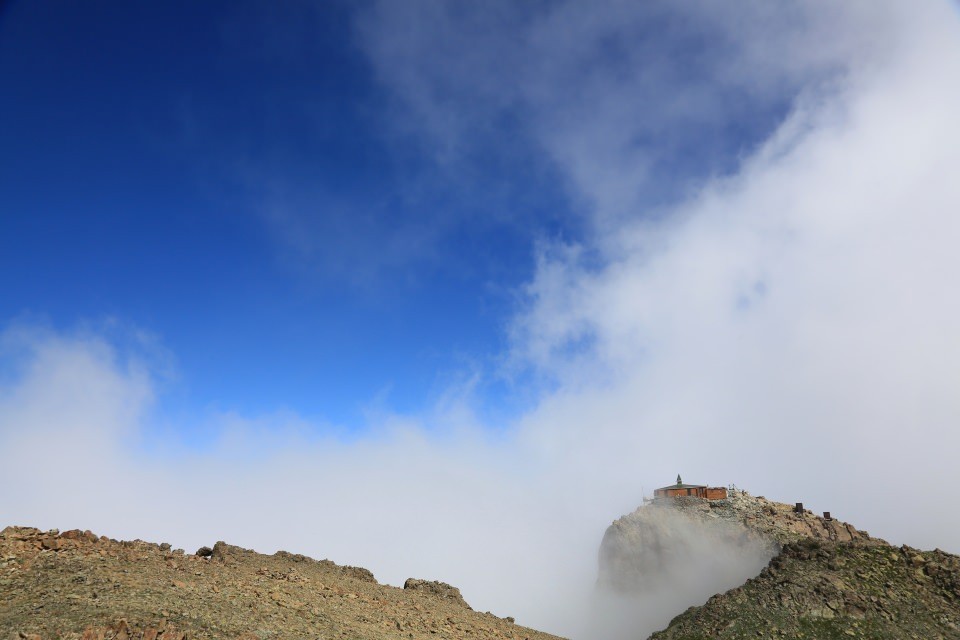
x,y
827,590
816,578
78,585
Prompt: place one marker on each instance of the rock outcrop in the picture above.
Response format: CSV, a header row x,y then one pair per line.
x,y
643,548
79,586
820,578
440,590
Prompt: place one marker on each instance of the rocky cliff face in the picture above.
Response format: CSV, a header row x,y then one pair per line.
x,y
78,585
810,577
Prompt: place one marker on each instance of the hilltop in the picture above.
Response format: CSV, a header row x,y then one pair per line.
x,y
668,535
802,575
76,584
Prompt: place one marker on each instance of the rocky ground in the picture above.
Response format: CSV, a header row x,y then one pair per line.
x,y
774,520
825,590
76,585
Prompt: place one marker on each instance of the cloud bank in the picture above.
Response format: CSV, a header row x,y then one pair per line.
x,y
781,315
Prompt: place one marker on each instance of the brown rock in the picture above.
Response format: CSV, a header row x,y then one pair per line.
x,y
223,551
20,533
51,544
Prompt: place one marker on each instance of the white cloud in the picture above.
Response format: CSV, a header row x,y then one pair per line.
x,y
788,323
791,327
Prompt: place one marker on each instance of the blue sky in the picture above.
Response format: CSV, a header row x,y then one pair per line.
x,y
146,149
249,185
467,279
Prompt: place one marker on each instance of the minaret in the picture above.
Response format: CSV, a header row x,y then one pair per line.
x,y
679,481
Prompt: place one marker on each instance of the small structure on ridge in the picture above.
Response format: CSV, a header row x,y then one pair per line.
x,y
690,490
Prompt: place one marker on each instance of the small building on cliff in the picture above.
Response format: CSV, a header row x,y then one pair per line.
x,y
690,490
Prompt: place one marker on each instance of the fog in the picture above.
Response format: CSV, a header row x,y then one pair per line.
x,y
658,560
80,449
785,319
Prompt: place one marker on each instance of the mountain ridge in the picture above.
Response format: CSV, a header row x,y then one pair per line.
x,y
76,585
797,575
